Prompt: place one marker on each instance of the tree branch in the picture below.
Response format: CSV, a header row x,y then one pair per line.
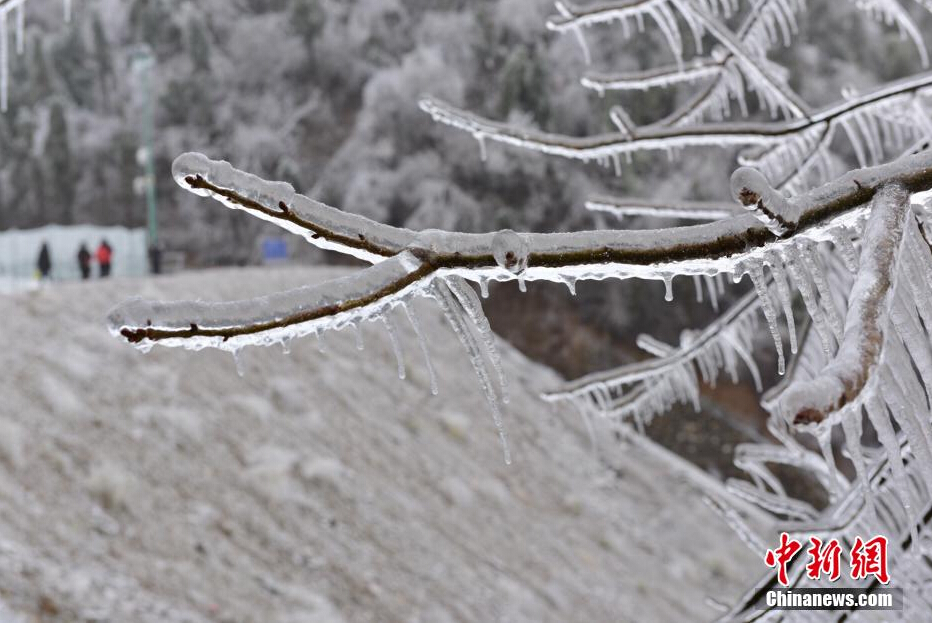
x,y
652,254
843,378
612,145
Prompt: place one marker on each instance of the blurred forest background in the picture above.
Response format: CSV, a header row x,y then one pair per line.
x,y
323,94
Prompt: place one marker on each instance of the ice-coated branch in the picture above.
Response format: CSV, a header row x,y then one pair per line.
x,y
612,145
700,17
687,210
637,372
664,76
752,190
277,202
709,248
269,319
842,380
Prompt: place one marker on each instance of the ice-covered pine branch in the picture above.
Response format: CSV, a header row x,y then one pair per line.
x,y
16,8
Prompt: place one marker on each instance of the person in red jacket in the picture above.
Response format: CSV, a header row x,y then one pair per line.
x,y
104,258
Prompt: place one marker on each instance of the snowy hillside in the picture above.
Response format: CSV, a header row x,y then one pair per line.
x,y
319,487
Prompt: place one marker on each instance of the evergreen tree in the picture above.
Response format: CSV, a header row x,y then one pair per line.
x,y
103,60
198,47
61,170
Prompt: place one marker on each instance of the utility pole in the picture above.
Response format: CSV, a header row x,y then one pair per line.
x,y
143,66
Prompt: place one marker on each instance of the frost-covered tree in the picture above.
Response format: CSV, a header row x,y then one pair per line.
x,y
831,216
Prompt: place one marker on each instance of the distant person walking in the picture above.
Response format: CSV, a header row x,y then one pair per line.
x,y
44,263
155,259
84,261
104,258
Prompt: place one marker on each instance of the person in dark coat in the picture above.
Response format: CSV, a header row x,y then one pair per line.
x,y
45,261
104,258
84,261
155,258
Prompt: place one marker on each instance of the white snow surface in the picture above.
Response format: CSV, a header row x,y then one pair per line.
x,y
320,487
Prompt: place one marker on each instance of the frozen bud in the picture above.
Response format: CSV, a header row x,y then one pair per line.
x,y
751,189
511,251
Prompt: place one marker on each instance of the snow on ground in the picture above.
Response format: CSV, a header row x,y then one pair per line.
x,y
319,487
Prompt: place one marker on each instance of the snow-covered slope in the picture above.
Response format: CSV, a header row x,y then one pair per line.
x,y
319,487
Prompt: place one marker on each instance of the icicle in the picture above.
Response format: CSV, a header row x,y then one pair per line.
x,y
907,324
880,420
825,446
851,424
480,138
801,279
697,284
286,345
4,62
321,344
522,285
20,28
473,308
756,272
668,283
396,345
786,299
713,291
746,357
238,362
447,303
360,345
809,256
484,288
849,254
571,285
416,325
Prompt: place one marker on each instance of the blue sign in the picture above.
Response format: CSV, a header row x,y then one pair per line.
x,y
274,249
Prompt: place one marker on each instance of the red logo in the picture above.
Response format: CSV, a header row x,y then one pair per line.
x,y
870,559
867,558
825,559
782,556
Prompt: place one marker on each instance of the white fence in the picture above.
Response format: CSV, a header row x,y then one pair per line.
x,y
19,252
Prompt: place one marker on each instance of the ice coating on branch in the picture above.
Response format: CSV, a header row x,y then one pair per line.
x,y
267,319
278,203
688,210
843,379
795,147
752,190
511,251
